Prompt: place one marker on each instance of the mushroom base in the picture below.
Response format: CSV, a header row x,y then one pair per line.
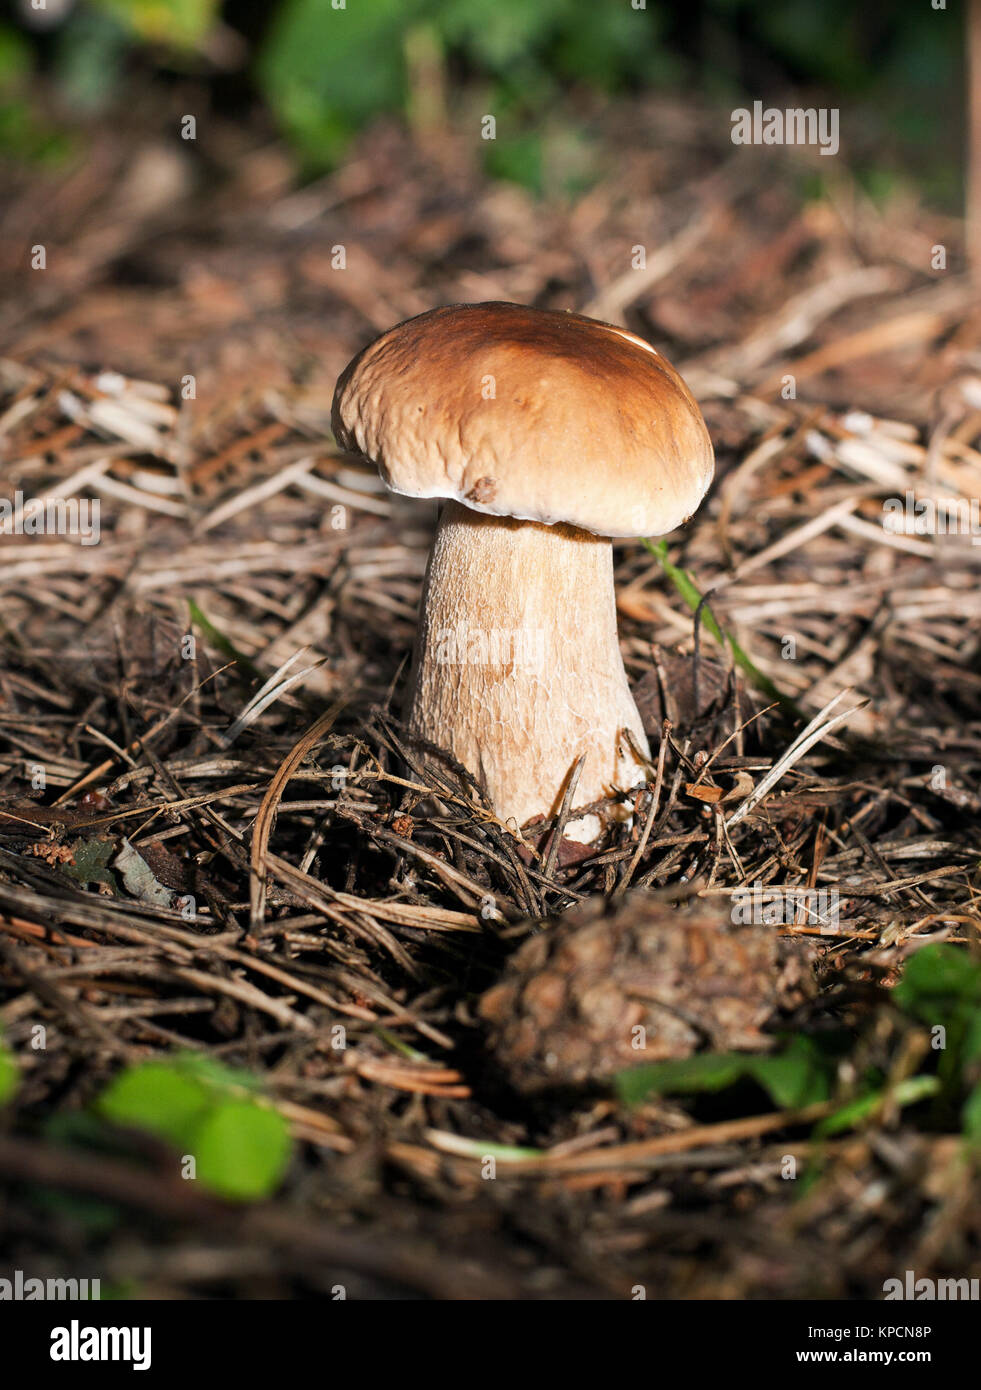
x,y
517,669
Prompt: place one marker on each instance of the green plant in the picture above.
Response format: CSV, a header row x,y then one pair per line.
x,y
95,43
8,1074
326,67
240,1144
941,988
174,23
220,642
689,591
24,133
800,1073
91,863
326,70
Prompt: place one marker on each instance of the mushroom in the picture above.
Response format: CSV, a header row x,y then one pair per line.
x,y
547,433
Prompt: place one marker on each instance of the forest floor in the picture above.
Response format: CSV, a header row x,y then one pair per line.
x,y
176,359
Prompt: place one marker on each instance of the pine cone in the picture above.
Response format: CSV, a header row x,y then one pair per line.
x,y
572,998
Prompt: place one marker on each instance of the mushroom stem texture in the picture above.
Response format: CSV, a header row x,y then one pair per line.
x,y
517,669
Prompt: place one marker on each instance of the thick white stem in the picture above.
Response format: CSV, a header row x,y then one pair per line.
x,y
518,671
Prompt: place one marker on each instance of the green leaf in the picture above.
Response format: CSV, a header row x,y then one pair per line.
x,y
326,71
176,23
8,1074
241,1146
709,1071
158,1098
941,988
802,1074
26,135
242,1149
606,46
971,1116
213,1073
497,36
16,59
908,1092
939,975
398,1044
91,862
219,641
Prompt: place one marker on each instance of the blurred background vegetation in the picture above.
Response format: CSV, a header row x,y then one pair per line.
x,y
319,70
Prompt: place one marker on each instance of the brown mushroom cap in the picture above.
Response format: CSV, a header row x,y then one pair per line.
x,y
530,413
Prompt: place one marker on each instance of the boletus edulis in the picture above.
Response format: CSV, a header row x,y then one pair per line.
x,y
547,434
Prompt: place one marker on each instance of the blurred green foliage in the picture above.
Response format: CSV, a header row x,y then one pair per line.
x,y
325,72
23,132
324,68
179,23
8,1074
940,990
241,1146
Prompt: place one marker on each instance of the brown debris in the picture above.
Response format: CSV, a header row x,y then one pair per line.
x,y
601,990
350,903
